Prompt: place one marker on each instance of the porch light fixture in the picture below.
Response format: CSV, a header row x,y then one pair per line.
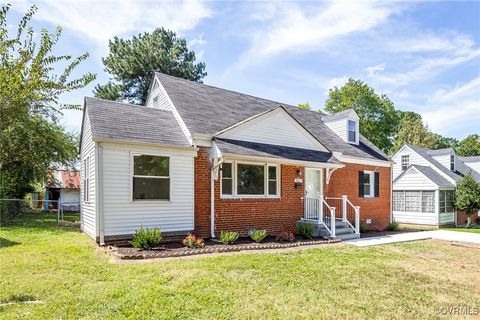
x,y
299,173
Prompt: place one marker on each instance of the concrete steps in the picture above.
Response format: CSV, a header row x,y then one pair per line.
x,y
342,230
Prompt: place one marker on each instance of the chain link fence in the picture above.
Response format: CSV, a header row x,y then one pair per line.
x,y
11,209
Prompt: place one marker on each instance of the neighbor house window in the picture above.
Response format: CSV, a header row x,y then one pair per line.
x,y
405,162
151,177
452,162
399,200
414,201
352,131
446,201
249,179
227,179
86,179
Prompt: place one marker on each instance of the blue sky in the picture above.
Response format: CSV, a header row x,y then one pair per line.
x,y
424,55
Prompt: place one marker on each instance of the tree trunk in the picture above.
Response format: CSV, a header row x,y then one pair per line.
x,y
468,222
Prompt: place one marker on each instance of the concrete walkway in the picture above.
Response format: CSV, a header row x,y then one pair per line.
x,y
419,235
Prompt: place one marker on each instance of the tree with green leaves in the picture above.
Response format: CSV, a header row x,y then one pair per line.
x,y
305,106
467,196
132,62
31,139
411,130
378,119
442,142
470,146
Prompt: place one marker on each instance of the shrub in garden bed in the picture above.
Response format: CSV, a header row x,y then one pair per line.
x,y
257,235
286,236
305,230
192,241
393,226
146,239
228,237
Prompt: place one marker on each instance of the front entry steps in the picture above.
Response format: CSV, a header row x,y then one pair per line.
x,y
342,230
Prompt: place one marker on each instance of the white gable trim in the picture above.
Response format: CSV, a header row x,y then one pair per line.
x,y
366,161
412,168
229,133
434,167
173,109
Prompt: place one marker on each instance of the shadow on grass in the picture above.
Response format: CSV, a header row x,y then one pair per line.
x,y
7,243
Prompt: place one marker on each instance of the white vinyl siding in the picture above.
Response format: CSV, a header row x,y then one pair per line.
x,y
446,218
277,128
87,208
341,127
414,158
444,160
414,180
122,216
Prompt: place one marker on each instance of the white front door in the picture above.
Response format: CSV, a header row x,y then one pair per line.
x,y
313,183
313,190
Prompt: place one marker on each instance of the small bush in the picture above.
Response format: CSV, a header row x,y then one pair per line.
x,y
257,235
363,227
393,226
228,237
146,238
192,241
286,236
305,230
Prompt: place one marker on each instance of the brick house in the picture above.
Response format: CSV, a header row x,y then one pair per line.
x,y
205,159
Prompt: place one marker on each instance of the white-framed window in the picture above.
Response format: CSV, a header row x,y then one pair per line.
x,y
414,201
367,184
352,131
150,177
452,162
446,201
250,179
405,162
86,179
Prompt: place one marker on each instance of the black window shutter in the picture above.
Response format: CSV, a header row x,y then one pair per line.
x,y
360,184
377,184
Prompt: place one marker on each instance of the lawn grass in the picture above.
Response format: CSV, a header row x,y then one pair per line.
x,y
473,228
65,270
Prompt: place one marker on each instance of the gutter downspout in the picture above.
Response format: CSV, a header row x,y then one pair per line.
x,y
99,188
212,199
391,193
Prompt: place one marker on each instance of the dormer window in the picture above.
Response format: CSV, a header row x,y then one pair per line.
x,y
405,162
352,131
452,162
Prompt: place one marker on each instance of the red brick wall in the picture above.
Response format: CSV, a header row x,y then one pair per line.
x,y
344,181
462,218
239,215
281,214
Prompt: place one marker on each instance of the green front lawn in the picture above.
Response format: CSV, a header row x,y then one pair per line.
x,y
65,270
473,228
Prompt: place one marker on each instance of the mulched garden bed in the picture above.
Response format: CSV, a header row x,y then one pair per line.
x,y
176,249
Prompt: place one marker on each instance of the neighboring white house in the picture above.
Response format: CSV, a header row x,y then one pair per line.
x,y
424,184
63,189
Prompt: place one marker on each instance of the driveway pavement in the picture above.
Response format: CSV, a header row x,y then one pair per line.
x,y
418,235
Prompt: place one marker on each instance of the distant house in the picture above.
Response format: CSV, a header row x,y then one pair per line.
x,y
424,185
205,159
63,189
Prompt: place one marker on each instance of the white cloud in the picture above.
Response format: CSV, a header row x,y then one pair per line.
x,y
291,28
450,110
199,41
373,70
101,20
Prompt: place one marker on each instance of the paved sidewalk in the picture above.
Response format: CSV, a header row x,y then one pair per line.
x,y
418,235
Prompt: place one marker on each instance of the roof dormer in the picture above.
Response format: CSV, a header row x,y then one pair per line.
x,y
345,124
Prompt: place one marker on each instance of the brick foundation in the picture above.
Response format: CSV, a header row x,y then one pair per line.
x,y
281,214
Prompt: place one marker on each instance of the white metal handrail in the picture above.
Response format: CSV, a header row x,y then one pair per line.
x,y
314,207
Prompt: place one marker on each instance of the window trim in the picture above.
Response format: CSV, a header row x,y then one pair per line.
x,y
354,131
371,174
445,198
452,163
132,165
265,195
86,180
402,163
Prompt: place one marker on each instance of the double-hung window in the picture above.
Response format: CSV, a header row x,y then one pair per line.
x,y
151,177
352,131
452,162
249,180
405,162
368,184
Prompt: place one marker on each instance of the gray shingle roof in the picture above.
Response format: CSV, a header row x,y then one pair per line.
x,y
433,175
111,120
461,168
207,110
470,159
338,115
273,151
440,152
